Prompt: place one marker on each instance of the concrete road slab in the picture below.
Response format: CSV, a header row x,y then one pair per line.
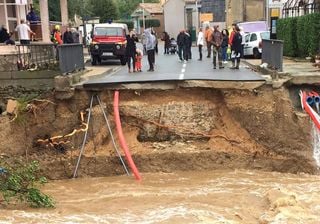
x,y
168,68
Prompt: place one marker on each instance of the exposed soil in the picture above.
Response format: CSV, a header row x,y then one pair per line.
x,y
166,131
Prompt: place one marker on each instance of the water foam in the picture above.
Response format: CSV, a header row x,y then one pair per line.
x,y
316,143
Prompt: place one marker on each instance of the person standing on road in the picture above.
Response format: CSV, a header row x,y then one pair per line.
x,y
224,45
150,46
187,45
67,37
200,42
23,32
208,38
166,39
217,39
180,43
236,48
131,52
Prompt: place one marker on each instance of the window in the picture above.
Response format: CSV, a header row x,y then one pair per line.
x,y
265,35
11,10
253,37
108,31
247,37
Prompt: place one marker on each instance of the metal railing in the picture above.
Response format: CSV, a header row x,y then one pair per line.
x,y
272,54
37,57
299,8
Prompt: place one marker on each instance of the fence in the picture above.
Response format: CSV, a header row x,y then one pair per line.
x,y
28,57
272,54
293,8
38,56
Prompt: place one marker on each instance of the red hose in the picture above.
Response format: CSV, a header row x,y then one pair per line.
x,y
122,140
314,116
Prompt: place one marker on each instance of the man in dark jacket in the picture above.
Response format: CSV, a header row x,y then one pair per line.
x,y
217,39
131,52
236,48
188,45
4,35
68,37
181,43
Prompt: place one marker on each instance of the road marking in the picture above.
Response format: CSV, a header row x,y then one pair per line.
x,y
183,70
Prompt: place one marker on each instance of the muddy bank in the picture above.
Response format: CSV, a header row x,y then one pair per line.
x,y
182,129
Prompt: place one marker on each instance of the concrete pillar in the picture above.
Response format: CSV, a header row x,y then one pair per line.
x,y
44,15
64,12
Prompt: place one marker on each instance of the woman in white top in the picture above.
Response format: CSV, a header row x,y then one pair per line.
x,y
200,43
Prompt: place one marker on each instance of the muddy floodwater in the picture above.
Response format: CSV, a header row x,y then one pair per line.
x,y
239,196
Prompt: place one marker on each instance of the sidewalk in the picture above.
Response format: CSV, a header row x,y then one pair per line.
x,y
294,71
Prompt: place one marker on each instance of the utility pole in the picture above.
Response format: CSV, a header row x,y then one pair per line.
x,y
143,19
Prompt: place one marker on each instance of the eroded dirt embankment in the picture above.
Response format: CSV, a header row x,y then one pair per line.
x,y
182,129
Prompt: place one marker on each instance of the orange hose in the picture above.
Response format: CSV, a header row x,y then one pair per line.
x,y
122,140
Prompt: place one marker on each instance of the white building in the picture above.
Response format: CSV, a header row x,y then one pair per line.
x,y
180,14
11,11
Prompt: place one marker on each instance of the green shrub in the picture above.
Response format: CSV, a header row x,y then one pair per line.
x,y
150,23
286,31
314,37
19,184
301,35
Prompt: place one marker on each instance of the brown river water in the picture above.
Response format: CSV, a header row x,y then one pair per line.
x,y
239,196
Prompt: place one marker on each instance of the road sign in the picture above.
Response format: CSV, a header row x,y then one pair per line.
x,y
206,17
275,12
276,3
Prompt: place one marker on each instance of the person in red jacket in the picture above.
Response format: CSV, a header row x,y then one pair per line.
x,y
57,35
232,34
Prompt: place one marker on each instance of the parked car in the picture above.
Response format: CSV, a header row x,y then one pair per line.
x,y
253,43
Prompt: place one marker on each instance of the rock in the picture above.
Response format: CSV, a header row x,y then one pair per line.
x,y
62,83
11,106
64,95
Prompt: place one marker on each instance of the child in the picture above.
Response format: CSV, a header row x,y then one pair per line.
x,y
139,55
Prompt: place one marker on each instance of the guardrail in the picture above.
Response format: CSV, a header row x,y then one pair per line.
x,y
272,54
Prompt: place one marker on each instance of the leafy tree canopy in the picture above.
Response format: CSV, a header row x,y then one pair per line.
x,y
105,9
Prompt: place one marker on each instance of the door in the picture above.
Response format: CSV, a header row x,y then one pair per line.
x,y
246,44
252,43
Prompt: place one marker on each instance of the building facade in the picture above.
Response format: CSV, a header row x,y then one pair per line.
x,y
217,8
245,11
11,11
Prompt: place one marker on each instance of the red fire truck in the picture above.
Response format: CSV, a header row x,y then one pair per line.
x,y
108,42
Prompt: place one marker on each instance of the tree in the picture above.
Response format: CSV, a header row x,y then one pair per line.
x,y
126,7
54,9
19,183
105,9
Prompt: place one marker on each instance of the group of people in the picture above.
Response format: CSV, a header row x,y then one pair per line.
x,y
70,36
134,54
218,44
